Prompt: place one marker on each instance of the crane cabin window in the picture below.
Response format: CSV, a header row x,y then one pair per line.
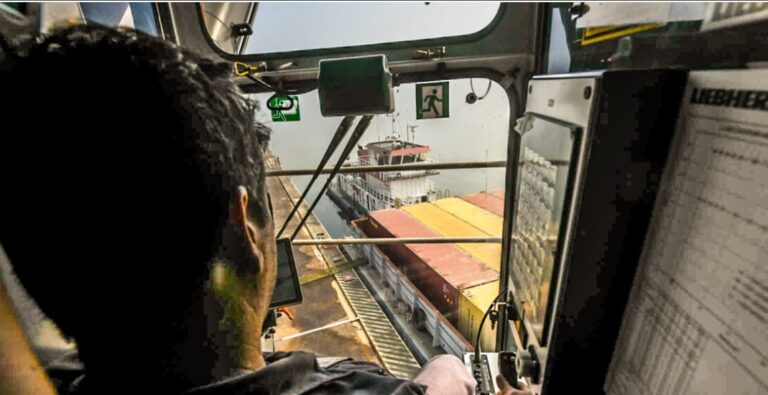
x,y
288,26
434,295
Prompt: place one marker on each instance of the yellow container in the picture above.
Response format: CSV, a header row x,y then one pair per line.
x,y
446,224
473,303
481,219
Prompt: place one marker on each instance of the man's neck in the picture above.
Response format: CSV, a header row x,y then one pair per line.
x,y
233,326
221,338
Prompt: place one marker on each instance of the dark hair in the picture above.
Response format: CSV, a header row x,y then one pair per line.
x,y
119,156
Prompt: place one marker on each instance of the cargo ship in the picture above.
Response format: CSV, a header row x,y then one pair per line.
x,y
447,287
360,193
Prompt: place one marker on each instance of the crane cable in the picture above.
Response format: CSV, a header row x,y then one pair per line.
x,y
341,131
360,129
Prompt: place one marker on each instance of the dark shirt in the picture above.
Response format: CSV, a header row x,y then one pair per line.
x,y
294,372
299,373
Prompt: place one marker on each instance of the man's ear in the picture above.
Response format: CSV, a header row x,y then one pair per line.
x,y
248,229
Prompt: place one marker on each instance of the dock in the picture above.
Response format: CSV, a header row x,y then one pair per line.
x,y
339,317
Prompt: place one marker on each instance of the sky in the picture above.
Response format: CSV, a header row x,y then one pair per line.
x,y
289,26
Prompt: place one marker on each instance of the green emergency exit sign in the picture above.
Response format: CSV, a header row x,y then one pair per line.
x,y
432,100
283,110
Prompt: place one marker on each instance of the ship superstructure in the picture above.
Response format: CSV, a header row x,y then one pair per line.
x,y
372,191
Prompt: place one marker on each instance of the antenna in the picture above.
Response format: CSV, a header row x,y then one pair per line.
x,y
394,116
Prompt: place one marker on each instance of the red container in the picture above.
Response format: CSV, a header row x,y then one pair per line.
x,y
499,193
488,201
439,271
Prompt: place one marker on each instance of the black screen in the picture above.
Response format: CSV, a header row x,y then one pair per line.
x,y
287,287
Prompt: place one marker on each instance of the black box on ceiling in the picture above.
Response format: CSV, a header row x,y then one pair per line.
x,y
355,86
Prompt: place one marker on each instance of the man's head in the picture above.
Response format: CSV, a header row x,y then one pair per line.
x,y
127,168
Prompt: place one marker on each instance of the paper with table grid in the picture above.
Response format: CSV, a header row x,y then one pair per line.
x,y
697,319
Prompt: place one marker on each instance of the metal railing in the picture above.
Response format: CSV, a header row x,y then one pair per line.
x,y
390,168
399,240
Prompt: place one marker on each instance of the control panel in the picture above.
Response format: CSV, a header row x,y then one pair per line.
x,y
484,371
489,366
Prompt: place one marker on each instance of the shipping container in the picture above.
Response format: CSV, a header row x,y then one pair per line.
x,y
486,201
453,264
439,271
472,306
499,193
395,251
430,320
457,284
448,225
491,224
436,288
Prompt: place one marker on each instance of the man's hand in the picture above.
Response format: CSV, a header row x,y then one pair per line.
x,y
506,389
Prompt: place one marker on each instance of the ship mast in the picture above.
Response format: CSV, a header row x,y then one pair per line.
x,y
412,130
394,136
